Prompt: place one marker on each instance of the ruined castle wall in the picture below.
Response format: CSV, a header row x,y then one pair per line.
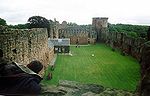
x,y
103,34
83,40
100,26
92,40
23,46
73,39
120,40
127,44
144,86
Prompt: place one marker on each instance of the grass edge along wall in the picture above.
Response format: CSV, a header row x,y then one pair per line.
x,y
106,68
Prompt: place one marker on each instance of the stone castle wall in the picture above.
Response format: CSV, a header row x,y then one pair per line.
x,y
80,33
100,25
23,46
76,34
128,45
144,86
80,40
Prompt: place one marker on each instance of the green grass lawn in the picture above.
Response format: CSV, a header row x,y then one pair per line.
x,y
106,68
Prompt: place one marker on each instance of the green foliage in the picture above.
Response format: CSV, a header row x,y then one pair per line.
x,y
148,34
38,22
2,22
19,26
132,34
112,28
106,68
132,30
72,24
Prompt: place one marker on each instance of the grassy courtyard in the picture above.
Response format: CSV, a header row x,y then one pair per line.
x,y
106,68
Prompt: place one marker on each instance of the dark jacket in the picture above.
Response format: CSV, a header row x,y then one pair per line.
x,y
14,81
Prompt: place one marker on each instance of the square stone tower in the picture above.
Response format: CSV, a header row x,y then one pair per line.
x,y
100,25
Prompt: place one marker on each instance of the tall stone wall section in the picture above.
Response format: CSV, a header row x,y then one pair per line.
x,y
128,45
76,34
23,46
100,26
145,70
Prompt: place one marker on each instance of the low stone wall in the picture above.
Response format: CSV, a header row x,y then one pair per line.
x,y
23,46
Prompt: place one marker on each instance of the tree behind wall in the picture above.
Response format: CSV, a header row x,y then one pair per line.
x,y
19,26
2,22
38,22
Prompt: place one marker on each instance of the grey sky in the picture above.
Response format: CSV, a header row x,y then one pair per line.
x,y
79,11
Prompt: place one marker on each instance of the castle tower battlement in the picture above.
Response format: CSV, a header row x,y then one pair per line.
x,y
100,22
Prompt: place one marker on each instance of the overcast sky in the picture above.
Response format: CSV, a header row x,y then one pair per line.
x,y
78,11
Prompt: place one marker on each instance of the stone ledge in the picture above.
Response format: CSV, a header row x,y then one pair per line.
x,y
72,88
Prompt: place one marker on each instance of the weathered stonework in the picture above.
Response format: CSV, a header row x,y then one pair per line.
x,y
23,46
127,44
77,33
100,26
145,70
72,88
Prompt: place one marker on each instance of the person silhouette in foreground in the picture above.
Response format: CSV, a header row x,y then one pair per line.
x,y
17,79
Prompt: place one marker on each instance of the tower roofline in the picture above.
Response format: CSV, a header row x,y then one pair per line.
x,y
100,17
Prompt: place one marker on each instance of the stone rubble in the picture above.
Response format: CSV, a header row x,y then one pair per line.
x,y
72,88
